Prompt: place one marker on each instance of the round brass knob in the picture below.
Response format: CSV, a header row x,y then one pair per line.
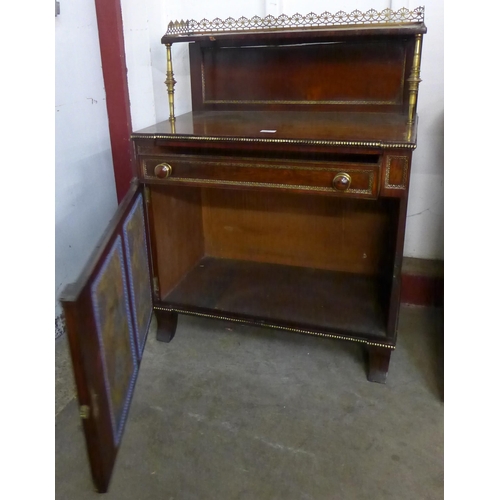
x,y
341,182
163,170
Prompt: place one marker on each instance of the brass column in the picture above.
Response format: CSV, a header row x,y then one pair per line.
x,y
414,79
170,82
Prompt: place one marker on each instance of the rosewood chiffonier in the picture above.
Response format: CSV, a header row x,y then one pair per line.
x,y
279,201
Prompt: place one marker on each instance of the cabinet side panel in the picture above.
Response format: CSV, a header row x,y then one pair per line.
x,y
311,231
178,227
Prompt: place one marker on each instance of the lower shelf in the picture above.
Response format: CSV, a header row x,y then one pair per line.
x,y
297,297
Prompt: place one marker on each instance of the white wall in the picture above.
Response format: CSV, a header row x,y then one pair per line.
x,y
146,21
319,6
85,194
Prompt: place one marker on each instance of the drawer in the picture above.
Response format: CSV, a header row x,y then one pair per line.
x,y
344,179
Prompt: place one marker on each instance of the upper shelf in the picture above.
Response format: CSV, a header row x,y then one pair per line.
x,y
329,63
283,27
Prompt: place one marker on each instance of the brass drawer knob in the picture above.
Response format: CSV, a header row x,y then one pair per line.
x,y
163,170
341,182
84,412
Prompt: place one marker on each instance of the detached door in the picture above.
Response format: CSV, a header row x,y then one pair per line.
x,y
108,312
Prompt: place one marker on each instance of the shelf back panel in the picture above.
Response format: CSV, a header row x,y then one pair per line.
x,y
363,75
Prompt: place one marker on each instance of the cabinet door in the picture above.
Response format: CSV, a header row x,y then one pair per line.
x,y
108,312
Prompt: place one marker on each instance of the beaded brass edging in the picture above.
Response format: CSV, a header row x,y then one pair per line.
x,y
289,165
276,327
298,102
270,185
306,142
296,21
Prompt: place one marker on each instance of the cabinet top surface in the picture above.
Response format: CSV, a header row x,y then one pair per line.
x,y
328,128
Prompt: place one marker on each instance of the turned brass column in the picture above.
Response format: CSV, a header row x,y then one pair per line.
x,y
414,80
170,82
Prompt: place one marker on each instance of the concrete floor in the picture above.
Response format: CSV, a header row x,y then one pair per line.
x,y
228,411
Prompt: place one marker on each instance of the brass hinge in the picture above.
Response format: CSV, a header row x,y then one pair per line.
x,y
85,409
156,288
147,194
84,412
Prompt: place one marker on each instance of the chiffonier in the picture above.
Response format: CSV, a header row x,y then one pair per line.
x,y
279,200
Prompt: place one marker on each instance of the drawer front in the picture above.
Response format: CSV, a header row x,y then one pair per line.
x,y
344,179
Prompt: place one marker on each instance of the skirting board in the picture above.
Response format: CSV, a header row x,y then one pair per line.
x,y
422,282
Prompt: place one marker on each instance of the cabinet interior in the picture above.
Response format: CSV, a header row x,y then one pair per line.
x,y
306,259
